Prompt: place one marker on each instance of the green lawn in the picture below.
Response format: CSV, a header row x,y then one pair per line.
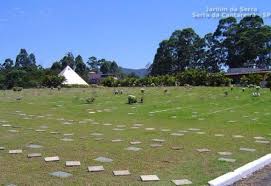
x,y
180,109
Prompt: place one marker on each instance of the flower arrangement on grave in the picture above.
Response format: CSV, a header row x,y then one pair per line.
x,y
132,99
90,100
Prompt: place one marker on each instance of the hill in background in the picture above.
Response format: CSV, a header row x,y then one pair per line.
x,y
139,72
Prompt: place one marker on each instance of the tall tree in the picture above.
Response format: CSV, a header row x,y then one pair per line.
x,y
32,60
162,63
56,67
254,42
93,63
80,66
8,64
114,68
22,59
105,67
211,59
68,60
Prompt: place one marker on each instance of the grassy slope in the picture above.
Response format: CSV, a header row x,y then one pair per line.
x,y
163,161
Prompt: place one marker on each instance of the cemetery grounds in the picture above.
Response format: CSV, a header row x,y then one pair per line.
x,y
183,134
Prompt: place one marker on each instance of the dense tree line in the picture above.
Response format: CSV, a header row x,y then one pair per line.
x,y
232,45
194,77
25,72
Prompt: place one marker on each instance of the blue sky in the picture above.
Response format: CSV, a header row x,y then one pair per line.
x,y
127,31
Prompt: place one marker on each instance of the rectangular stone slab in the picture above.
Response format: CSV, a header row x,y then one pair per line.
x,y
96,168
176,134
103,159
133,148
247,149
53,158
135,142
158,140
203,150
33,155
72,163
225,153
262,141
18,151
121,173
60,174
149,178
182,182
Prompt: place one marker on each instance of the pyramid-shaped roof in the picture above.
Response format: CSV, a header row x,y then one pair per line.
x,y
71,77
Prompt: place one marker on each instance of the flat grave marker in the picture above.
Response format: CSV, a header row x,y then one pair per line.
x,y
262,141
72,163
135,142
182,182
34,146
158,140
219,135
225,153
60,174
176,134
96,168
203,150
156,145
247,149
17,151
34,155
145,178
103,159
51,159
121,173
133,149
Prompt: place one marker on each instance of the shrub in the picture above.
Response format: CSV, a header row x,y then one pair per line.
x,y
131,99
255,79
90,100
17,89
244,81
52,80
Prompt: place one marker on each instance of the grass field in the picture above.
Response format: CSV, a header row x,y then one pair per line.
x,y
180,109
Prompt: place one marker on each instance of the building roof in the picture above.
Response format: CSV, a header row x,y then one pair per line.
x,y
71,77
243,71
